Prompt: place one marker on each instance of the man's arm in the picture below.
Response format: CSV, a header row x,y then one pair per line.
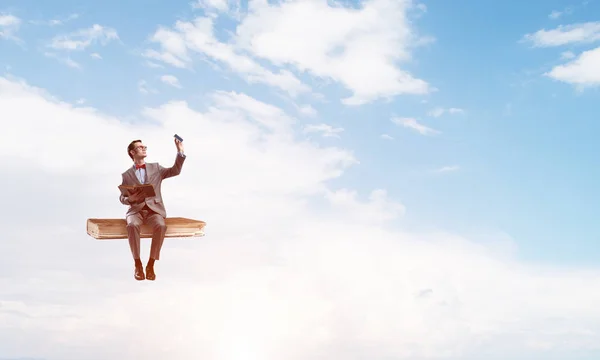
x,y
122,198
173,170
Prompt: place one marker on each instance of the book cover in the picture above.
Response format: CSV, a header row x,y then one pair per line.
x,y
146,189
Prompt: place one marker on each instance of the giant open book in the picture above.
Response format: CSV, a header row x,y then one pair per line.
x,y
146,189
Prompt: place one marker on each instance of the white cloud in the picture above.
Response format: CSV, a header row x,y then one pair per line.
x,y
173,46
215,7
566,55
64,60
9,25
170,80
583,71
325,129
450,168
555,14
96,56
377,36
55,22
71,63
307,110
144,88
152,64
581,33
337,41
439,111
198,37
412,123
221,5
81,39
386,137
377,211
164,57
9,20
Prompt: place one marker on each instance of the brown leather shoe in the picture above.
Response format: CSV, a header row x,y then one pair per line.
x,y
139,273
150,275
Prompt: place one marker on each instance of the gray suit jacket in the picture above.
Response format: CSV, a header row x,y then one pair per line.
x,y
155,174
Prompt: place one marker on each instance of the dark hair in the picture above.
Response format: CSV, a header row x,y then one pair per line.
x,y
131,147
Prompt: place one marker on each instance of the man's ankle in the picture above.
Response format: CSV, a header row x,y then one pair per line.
x,y
150,262
138,262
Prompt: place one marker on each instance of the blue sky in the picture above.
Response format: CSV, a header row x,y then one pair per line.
x,y
525,144
521,149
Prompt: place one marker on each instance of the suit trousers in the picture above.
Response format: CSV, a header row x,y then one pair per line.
x,y
157,223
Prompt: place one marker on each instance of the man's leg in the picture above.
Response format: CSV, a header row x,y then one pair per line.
x,y
157,223
133,233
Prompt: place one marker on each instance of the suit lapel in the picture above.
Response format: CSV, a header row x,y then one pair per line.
x,y
149,172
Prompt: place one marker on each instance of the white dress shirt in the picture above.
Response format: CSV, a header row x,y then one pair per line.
x,y
141,172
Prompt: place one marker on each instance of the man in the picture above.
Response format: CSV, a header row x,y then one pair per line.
x,y
150,210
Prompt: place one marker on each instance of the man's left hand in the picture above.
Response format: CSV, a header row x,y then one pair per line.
x,y
179,145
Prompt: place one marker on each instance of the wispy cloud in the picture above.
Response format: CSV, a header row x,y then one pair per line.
x,y
555,14
439,111
177,45
153,65
66,60
324,129
564,34
144,88
567,55
9,25
413,124
219,6
445,169
170,80
83,38
55,22
307,110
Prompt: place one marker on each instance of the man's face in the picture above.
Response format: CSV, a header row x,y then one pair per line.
x,y
139,151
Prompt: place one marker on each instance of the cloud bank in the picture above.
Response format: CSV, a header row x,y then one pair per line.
x,y
291,267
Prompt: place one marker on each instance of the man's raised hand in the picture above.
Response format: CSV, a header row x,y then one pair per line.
x,y
179,145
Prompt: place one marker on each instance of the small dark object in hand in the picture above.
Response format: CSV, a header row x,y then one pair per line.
x,y
178,137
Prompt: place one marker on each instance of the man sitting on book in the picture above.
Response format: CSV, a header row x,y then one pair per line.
x,y
140,190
